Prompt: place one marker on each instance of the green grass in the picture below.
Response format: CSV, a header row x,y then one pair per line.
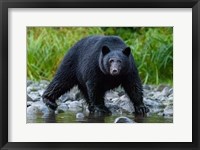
x,y
152,49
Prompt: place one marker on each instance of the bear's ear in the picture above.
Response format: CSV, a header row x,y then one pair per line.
x,y
127,51
105,50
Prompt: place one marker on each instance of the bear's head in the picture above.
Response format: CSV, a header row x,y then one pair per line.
x,y
115,62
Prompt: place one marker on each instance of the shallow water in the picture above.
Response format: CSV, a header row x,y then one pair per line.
x,y
70,117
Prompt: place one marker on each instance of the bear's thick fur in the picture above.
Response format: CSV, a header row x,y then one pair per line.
x,y
97,64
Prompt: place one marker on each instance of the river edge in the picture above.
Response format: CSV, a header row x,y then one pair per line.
x,y
159,99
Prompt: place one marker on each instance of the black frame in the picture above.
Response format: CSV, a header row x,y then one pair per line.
x,y
5,4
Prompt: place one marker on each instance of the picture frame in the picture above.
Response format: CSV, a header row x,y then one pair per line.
x,y
4,63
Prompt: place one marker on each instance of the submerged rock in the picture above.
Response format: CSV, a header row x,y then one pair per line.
x,y
123,120
80,115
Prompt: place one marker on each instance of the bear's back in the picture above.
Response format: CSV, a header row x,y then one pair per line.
x,y
91,46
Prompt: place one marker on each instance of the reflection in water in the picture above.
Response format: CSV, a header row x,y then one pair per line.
x,y
50,117
70,117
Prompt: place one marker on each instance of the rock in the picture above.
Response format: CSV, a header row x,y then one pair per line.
x,y
168,111
160,87
160,114
115,101
33,87
32,112
120,91
170,91
115,109
75,106
123,120
29,82
80,115
126,104
150,94
41,107
44,82
62,108
29,103
151,103
34,96
111,95
68,102
40,92
146,87
63,98
156,110
165,91
29,98
74,93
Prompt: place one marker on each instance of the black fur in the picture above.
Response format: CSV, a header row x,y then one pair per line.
x,y
88,65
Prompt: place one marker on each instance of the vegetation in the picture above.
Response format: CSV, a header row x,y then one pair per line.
x,y
152,48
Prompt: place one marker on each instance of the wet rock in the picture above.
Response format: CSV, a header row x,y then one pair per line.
x,y
123,120
75,106
34,96
62,108
41,107
32,112
80,115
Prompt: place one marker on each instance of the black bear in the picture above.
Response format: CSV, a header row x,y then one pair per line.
x,y
97,64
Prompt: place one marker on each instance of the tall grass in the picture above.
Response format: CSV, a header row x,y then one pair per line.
x,y
152,49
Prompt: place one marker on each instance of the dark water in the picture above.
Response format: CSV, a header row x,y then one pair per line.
x,y
70,117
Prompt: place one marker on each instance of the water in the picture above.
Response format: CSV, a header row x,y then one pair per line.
x,y
70,117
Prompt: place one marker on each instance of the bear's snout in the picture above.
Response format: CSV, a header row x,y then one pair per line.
x,y
114,72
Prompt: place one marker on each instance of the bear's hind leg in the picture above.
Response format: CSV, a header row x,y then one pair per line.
x,y
61,84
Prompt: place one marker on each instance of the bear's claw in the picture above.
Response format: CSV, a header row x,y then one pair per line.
x,y
141,109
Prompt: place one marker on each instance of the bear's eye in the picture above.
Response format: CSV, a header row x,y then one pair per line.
x,y
111,61
119,61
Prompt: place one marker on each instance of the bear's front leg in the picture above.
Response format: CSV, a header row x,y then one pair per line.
x,y
132,86
96,100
